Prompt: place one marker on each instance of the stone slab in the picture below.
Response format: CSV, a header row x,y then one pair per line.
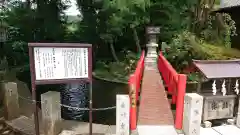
x,y
25,126
67,132
156,130
227,130
208,131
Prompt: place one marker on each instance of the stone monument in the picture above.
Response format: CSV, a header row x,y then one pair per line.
x,y
193,104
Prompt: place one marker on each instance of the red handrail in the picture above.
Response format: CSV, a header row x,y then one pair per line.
x,y
176,85
134,85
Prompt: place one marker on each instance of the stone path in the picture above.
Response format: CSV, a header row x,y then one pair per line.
x,y
220,130
169,130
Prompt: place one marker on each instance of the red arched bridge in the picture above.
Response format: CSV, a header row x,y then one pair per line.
x,y
149,92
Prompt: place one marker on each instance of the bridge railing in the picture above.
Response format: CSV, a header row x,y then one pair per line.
x,y
176,86
134,86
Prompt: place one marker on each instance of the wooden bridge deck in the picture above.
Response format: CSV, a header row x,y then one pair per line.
x,y
154,106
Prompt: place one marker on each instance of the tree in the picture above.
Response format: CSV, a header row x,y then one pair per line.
x,y
131,14
172,16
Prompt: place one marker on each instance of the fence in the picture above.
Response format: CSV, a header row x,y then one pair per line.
x,y
134,85
176,86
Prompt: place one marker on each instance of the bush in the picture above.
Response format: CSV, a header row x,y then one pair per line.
x,y
185,47
117,71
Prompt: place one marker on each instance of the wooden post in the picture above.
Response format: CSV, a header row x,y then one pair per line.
x,y
193,104
11,104
51,113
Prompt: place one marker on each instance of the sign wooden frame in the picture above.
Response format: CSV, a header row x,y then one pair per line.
x,y
35,82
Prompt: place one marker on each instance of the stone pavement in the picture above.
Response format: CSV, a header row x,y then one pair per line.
x,y
157,130
220,130
169,130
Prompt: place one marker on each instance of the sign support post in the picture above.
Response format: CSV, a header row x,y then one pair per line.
x,y
90,109
59,63
34,95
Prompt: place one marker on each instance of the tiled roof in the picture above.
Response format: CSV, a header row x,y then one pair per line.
x,y
229,3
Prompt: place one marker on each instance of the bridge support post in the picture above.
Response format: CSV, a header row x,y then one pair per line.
x,y
51,113
193,104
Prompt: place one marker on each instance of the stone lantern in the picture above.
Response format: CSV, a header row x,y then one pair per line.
x,y
151,58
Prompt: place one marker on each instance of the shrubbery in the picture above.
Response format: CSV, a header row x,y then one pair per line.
x,y
117,71
186,46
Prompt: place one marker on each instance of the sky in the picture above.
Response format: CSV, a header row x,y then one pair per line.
x,y
73,9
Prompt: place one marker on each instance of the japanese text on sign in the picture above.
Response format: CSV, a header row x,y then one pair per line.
x,y
60,63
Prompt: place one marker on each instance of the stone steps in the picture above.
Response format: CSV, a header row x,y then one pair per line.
x,y
6,130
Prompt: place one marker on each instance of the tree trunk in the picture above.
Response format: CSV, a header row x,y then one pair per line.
x,y
114,52
135,35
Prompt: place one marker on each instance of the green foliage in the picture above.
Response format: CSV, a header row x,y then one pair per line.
x,y
117,71
217,2
26,24
123,14
183,49
186,46
120,24
213,32
194,77
219,52
172,15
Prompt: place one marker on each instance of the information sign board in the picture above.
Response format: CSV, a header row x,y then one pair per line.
x,y
60,62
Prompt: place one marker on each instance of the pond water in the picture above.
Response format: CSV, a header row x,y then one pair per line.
x,y
104,95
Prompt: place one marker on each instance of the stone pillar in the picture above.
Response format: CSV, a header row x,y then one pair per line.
x,y
122,115
193,104
11,104
51,113
238,115
151,58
